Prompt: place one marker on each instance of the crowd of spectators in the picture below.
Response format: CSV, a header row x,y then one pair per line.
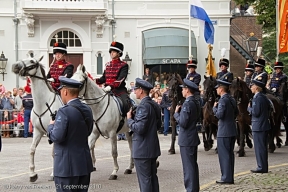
x,y
11,112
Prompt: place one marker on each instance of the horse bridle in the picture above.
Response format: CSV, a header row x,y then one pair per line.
x,y
95,99
23,72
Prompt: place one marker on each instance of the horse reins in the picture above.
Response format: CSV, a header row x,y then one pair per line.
x,y
101,98
23,72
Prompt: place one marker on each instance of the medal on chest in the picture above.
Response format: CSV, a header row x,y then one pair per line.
x,y
60,66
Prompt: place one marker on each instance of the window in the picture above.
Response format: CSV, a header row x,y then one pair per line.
x,y
99,64
67,37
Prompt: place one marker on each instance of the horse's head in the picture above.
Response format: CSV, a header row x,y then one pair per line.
x,y
80,74
209,88
26,67
240,91
173,83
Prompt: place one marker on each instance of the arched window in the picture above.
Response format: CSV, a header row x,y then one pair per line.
x,y
67,37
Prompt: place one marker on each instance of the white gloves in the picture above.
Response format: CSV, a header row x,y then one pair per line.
x,y
107,89
51,79
273,90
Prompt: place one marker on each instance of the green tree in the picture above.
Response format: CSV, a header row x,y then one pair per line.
x,y
265,9
269,46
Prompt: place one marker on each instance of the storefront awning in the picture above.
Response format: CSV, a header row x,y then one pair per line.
x,y
167,46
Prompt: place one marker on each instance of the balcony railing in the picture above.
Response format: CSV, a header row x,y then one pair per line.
x,y
63,4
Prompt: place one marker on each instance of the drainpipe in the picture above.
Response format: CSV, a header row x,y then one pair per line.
x,y
16,21
113,22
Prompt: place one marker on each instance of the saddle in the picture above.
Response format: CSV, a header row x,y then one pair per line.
x,y
123,108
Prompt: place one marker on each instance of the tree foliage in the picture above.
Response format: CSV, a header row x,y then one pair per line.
x,y
269,46
265,9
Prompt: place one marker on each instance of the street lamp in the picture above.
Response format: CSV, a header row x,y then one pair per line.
x,y
3,63
252,44
128,60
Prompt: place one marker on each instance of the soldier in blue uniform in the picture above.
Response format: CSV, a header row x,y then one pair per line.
x,y
145,145
259,110
259,69
249,70
196,78
278,78
69,132
226,111
192,74
224,73
188,136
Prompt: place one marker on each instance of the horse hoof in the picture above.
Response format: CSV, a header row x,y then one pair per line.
x,y
128,171
34,178
113,177
94,168
171,152
157,164
241,154
278,145
51,178
216,151
206,149
250,145
286,143
271,151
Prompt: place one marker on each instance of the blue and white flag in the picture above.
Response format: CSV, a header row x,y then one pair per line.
x,y
197,11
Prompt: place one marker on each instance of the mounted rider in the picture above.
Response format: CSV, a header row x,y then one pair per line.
x,y
114,76
196,78
224,64
259,69
277,79
249,70
60,67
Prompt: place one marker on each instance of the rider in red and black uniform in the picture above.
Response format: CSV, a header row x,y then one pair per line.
x,y
60,67
115,74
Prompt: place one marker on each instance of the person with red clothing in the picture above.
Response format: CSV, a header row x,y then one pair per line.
x,y
115,74
60,67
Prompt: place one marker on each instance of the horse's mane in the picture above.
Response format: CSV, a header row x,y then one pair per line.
x,y
238,84
44,76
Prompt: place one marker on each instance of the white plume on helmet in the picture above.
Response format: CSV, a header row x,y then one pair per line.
x,y
223,52
259,51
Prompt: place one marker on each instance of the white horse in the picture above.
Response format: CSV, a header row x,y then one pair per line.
x,y
106,118
42,92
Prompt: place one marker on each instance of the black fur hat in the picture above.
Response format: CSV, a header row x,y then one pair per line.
x,y
60,48
116,46
224,61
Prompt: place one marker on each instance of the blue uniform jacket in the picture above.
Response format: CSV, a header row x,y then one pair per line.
x,y
277,80
70,136
264,76
260,112
194,77
187,119
224,111
145,142
229,76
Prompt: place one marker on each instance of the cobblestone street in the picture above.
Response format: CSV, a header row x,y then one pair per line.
x,y
14,172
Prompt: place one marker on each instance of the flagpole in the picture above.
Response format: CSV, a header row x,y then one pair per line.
x,y
277,30
189,29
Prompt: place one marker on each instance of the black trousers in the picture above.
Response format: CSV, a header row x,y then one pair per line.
x,y
72,184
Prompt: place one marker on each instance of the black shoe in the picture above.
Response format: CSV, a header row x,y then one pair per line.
x,y
224,182
258,171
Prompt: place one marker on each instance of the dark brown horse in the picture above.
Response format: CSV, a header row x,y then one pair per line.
x,y
242,94
283,90
210,122
175,94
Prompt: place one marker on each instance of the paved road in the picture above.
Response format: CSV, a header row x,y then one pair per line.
x,y
14,169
